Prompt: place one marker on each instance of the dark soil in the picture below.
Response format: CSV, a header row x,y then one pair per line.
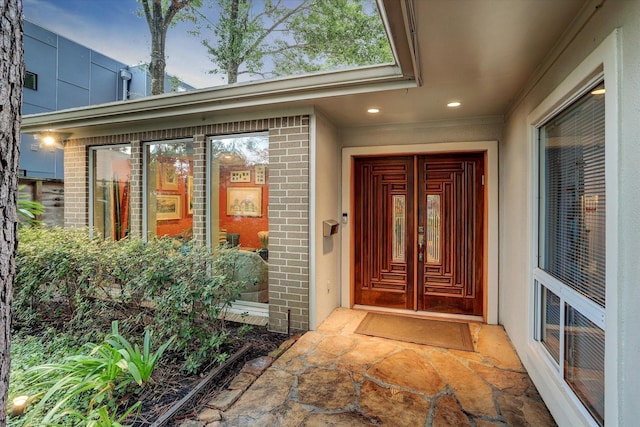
x,y
170,384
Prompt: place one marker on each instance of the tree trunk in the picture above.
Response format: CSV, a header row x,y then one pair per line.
x,y
11,79
233,65
157,65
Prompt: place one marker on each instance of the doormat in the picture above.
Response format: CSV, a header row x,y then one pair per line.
x,y
454,335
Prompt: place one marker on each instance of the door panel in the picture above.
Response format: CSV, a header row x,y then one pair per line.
x,y
384,225
451,211
419,232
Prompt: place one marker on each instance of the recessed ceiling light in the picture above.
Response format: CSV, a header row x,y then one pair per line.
x,y
373,110
454,104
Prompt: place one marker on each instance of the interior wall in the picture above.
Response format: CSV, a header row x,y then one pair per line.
x,y
247,227
516,216
327,207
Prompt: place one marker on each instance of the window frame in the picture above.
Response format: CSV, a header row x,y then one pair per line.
x,y
91,179
568,296
601,63
145,178
237,307
34,76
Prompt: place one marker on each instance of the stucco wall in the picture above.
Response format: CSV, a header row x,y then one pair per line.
x,y
288,200
516,228
326,181
484,129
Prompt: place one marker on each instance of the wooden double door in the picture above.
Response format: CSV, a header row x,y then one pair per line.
x,y
419,232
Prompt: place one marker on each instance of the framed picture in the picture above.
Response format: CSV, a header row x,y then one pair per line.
x,y
240,176
190,195
261,174
168,206
168,176
244,201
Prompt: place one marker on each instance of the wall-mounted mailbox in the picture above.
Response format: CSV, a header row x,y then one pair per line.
x,y
329,227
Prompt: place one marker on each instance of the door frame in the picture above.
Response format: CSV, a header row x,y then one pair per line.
x,y
490,256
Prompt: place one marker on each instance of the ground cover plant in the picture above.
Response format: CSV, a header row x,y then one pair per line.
x,y
87,388
73,286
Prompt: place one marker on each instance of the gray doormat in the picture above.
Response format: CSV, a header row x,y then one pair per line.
x,y
454,335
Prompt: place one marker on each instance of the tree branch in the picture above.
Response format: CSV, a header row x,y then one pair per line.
x,y
302,6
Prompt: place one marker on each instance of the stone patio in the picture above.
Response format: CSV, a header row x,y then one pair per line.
x,y
333,377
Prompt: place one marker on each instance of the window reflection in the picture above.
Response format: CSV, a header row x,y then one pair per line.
x,y
239,207
111,182
170,189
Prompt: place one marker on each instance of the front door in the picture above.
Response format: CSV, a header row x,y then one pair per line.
x,y
419,232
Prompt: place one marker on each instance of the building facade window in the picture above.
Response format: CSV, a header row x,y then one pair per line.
x,y
110,183
569,277
169,189
238,168
30,80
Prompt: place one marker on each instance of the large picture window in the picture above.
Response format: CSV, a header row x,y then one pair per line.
x,y
110,190
169,189
239,207
570,275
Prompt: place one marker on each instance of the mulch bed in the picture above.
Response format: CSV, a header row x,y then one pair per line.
x,y
170,384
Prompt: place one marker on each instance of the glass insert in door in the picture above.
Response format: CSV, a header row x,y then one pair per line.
x,y
399,228
433,228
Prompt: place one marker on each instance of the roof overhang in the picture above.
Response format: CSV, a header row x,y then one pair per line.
x,y
202,106
296,91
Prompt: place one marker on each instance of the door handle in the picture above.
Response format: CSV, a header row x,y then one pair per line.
x,y
420,246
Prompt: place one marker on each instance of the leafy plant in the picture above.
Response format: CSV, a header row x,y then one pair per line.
x,y
89,386
28,209
102,418
139,364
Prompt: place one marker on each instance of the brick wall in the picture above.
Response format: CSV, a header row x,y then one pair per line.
x,y
288,200
289,223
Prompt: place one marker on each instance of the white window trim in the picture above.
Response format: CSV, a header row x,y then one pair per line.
x,y
562,402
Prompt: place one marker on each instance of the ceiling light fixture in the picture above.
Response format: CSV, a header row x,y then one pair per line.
x,y
52,139
373,110
454,104
49,140
598,91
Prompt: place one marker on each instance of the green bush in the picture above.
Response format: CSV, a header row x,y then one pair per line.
x,y
176,289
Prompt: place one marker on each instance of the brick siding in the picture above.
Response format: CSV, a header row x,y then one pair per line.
x,y
288,200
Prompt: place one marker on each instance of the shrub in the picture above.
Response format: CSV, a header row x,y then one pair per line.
x,y
176,289
53,265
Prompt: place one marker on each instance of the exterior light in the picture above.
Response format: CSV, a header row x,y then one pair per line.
x,y
19,404
373,110
52,140
454,104
49,140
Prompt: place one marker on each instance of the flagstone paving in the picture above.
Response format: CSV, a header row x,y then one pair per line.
x,y
334,377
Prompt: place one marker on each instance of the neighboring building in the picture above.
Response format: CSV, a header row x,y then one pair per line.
x,y
518,208
62,74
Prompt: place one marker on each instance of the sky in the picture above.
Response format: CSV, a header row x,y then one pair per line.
x,y
112,28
